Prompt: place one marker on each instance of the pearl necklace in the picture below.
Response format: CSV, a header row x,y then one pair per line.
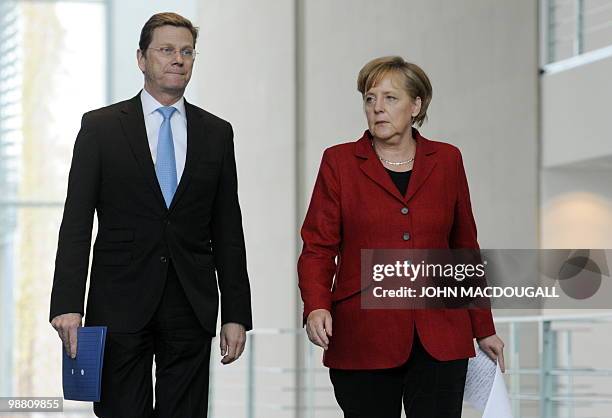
x,y
391,162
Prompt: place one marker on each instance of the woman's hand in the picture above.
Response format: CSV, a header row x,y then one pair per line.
x,y
493,346
319,327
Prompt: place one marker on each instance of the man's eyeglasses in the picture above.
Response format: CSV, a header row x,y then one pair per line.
x,y
167,51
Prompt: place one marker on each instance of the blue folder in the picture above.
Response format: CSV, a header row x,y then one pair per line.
x,y
82,376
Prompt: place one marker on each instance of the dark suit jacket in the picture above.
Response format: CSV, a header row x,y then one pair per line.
x,y
355,206
112,173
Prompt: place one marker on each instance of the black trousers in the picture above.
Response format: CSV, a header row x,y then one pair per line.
x,y
182,353
429,388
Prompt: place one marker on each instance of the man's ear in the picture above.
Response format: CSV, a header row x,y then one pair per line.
x,y
141,58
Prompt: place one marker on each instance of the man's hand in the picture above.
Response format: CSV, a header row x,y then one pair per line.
x,y
493,346
319,327
66,326
232,339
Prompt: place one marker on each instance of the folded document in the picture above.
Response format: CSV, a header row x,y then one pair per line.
x,y
485,389
82,376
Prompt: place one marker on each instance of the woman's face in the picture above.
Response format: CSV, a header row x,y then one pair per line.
x,y
389,109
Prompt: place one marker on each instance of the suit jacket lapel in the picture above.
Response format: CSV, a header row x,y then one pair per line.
x,y
424,162
132,122
195,148
373,168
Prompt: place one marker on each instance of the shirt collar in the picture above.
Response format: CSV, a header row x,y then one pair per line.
x,y
150,104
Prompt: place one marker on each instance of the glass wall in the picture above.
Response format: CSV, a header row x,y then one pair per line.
x,y
52,70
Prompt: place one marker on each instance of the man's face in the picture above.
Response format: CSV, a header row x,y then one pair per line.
x,y
167,74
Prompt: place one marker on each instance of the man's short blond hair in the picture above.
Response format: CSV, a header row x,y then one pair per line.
x,y
162,19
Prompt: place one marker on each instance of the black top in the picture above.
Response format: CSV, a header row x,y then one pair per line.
x,y
401,179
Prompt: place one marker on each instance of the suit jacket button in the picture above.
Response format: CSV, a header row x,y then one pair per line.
x,y
163,259
406,236
404,211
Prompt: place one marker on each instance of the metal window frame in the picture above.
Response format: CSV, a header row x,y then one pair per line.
x,y
549,60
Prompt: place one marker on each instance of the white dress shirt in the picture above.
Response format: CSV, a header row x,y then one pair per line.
x,y
178,122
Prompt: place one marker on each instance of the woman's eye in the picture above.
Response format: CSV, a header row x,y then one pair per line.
x,y
391,98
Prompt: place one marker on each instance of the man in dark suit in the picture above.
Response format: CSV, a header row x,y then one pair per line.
x,y
160,173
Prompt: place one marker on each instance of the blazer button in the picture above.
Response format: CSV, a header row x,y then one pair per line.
x,y
404,211
163,259
406,236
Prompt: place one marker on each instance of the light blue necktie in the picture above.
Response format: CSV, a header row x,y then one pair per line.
x,y
165,166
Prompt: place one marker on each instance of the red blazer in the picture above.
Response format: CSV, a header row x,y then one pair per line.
x,y
355,205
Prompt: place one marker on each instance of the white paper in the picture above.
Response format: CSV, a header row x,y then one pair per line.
x,y
485,389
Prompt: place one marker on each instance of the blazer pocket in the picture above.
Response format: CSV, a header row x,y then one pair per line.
x,y
206,170
338,297
204,260
209,163
120,235
112,258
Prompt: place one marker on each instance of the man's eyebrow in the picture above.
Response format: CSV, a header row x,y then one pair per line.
x,y
173,46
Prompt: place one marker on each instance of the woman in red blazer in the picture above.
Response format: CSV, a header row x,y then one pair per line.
x,y
392,188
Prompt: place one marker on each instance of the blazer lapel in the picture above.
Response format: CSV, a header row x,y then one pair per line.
x,y
424,162
373,168
195,148
132,122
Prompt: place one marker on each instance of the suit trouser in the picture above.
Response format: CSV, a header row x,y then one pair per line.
x,y
428,388
182,353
